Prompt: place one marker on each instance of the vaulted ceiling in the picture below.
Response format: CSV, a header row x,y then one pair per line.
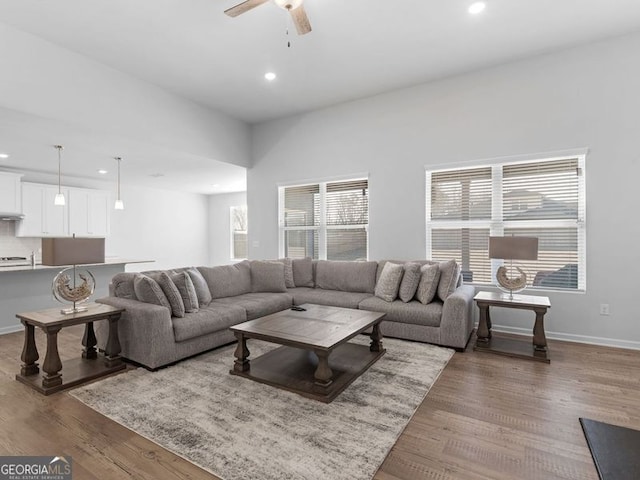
x,y
357,48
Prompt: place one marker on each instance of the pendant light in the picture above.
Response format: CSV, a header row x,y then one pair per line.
x,y
59,198
119,203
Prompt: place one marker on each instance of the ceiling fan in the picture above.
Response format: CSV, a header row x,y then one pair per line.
x,y
294,7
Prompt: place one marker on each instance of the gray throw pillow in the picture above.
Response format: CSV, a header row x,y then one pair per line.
x,y
200,284
410,281
171,292
389,282
303,272
267,276
288,272
147,290
428,286
122,284
449,275
183,283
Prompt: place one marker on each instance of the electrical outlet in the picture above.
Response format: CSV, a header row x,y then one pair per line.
x,y
604,309
255,243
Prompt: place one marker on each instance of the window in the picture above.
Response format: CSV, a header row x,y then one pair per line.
x,y
537,198
239,249
327,221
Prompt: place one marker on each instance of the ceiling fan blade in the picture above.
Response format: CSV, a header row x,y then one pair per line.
x,y
301,20
244,7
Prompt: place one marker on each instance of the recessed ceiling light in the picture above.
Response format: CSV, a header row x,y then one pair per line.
x,y
215,185
157,175
102,171
4,155
270,76
477,7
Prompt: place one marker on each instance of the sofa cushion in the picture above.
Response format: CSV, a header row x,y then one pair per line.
x,y
228,280
334,298
449,276
389,282
200,284
267,276
302,272
170,291
412,312
288,272
122,285
259,304
429,281
382,263
410,281
183,283
207,320
346,276
148,291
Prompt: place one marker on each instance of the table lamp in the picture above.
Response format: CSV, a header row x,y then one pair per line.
x,y
73,285
512,248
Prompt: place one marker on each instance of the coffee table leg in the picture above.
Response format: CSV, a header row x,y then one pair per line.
x,y
52,364
242,353
376,339
323,373
89,342
29,352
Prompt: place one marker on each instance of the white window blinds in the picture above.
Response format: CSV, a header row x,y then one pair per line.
x,y
543,199
326,220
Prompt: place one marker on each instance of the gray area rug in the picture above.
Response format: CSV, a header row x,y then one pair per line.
x,y
237,428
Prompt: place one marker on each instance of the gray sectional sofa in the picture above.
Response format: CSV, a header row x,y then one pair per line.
x,y
178,313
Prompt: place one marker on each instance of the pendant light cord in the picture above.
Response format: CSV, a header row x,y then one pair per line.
x,y
59,147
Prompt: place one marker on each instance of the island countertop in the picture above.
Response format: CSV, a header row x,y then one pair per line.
x,y
38,267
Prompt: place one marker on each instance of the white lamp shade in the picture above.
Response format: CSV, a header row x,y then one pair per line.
x,y
119,205
59,200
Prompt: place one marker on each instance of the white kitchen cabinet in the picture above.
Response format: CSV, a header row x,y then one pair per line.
x,y
10,193
42,218
89,212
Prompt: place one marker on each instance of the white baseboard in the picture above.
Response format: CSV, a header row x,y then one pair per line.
x,y
569,337
11,329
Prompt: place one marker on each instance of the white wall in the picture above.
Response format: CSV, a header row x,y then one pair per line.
x,y
220,225
583,97
44,80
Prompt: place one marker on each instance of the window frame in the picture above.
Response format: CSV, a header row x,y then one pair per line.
x,y
497,224
232,246
322,228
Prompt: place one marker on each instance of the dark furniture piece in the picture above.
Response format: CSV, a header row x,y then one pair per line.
x,y
316,360
59,375
512,347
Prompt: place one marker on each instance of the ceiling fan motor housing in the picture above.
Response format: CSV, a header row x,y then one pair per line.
x,y
288,4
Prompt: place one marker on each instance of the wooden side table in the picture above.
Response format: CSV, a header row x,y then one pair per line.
x,y
60,375
512,347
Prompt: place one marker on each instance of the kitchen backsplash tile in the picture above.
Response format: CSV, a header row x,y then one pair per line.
x,y
12,246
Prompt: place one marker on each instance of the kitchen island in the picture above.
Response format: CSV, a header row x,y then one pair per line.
x,y
25,287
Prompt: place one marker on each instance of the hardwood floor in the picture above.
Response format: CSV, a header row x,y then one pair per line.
x,y
487,417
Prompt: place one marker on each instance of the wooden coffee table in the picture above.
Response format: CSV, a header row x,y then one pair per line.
x,y
315,360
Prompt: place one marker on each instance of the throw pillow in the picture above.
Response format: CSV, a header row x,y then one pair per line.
x,y
200,284
303,272
410,281
449,275
147,290
184,284
122,285
288,272
171,292
389,282
267,276
428,286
